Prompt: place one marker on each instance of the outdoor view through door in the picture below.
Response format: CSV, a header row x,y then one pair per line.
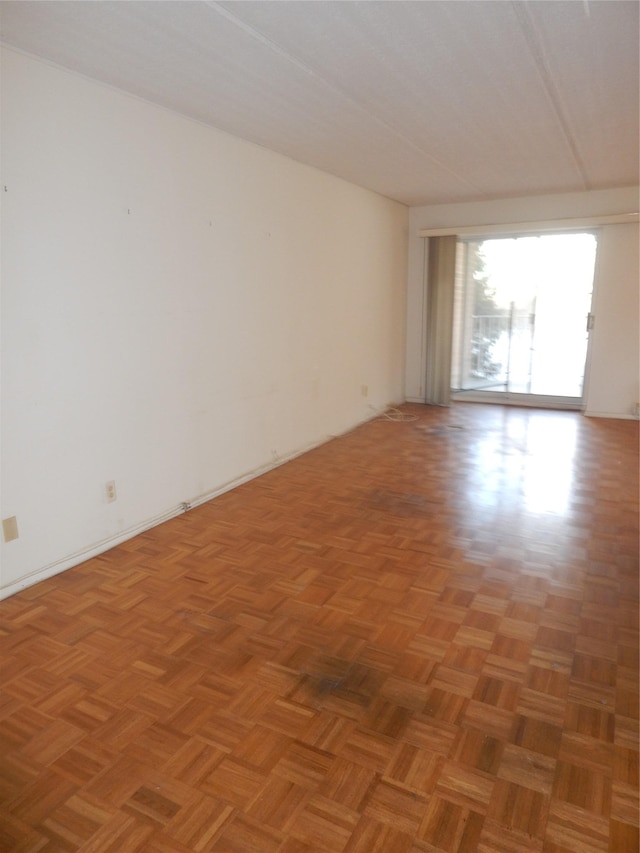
x,y
521,317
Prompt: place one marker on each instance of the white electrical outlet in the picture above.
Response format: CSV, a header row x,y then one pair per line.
x,y
110,491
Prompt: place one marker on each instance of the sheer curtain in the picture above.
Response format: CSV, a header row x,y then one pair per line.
x,y
441,269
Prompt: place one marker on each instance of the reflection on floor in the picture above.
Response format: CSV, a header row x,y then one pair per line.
x,y
422,636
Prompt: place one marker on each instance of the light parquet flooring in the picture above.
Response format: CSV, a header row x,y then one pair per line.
x,y
422,636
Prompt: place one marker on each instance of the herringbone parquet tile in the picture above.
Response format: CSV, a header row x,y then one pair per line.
x,y
420,637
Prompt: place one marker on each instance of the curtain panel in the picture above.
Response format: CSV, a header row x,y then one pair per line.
x,y
441,269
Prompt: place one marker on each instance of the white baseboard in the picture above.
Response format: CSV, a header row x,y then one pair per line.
x,y
611,415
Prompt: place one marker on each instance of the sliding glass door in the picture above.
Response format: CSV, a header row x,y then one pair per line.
x,y
522,312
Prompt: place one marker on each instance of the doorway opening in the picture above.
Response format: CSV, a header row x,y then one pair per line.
x,y
522,318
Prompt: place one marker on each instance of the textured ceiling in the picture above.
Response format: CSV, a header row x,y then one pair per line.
x,y
424,102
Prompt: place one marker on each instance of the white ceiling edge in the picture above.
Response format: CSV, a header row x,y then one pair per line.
x,y
171,111
540,207
383,95
532,227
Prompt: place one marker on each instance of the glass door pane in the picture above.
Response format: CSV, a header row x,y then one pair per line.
x,y
521,320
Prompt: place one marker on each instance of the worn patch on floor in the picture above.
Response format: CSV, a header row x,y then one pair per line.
x,y
346,686
401,503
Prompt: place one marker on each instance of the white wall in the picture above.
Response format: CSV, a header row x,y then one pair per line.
x,y
180,309
611,388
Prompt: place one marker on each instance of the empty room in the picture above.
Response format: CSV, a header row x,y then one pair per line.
x,y
319,426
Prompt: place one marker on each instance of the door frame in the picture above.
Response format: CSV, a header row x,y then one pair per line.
x,y
514,398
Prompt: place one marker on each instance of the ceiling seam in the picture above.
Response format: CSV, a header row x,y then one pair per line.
x,y
535,45
258,36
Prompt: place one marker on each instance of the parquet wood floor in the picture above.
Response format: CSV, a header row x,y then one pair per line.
x,y
422,636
